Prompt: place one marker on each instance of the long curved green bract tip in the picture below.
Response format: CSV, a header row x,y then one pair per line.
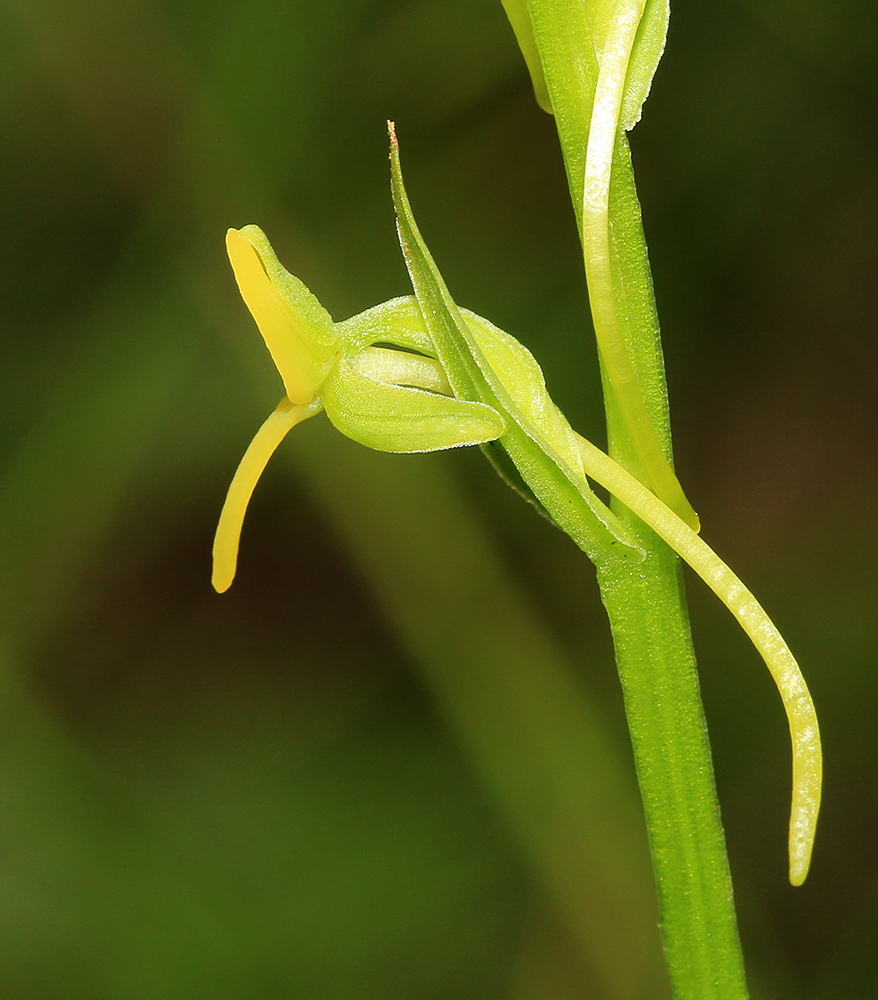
x,y
797,702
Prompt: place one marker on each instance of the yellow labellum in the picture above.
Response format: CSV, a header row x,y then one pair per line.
x,y
260,450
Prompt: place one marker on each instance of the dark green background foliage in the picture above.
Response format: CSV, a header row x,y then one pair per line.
x,y
391,762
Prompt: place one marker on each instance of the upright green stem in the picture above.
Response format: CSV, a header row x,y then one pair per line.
x,y
647,613
645,603
656,663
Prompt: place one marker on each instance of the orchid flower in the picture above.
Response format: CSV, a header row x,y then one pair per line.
x,y
391,399
444,377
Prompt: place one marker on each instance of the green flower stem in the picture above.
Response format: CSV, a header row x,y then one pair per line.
x,y
654,656
657,669
646,604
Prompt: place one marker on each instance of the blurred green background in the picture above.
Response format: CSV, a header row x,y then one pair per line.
x,y
392,762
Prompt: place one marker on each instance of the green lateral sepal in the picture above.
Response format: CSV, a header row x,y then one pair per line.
x,y
389,416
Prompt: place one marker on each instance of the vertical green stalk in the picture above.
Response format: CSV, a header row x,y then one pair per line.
x,y
645,603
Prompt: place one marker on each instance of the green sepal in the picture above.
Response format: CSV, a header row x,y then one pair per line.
x,y
400,322
397,321
399,418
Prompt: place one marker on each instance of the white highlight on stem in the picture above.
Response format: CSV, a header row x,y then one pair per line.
x,y
251,467
603,129
804,731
